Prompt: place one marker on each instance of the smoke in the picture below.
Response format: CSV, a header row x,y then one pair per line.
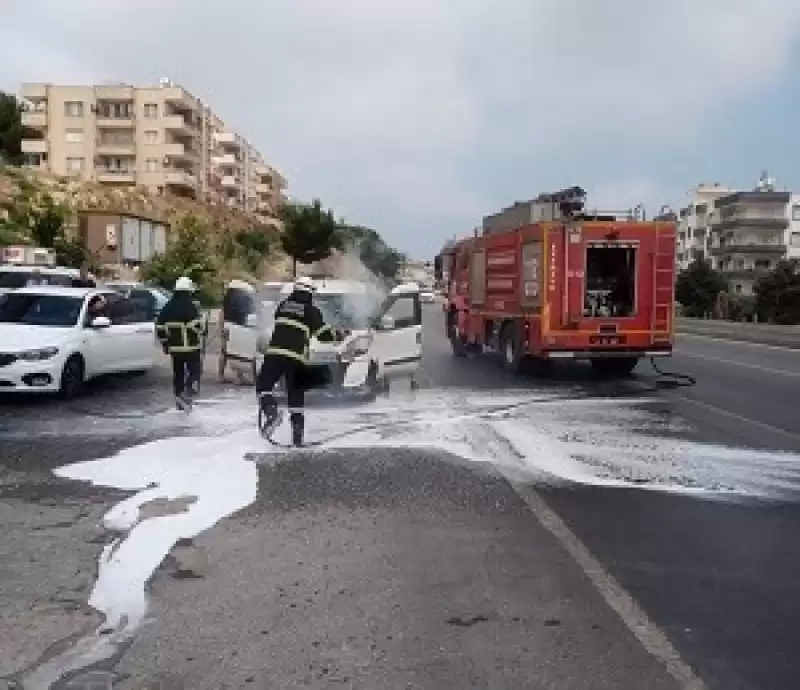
x,y
360,304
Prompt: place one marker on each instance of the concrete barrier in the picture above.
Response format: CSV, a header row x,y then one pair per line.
x,y
762,333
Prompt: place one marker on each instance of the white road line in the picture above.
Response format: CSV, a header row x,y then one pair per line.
x,y
618,599
731,341
733,415
767,370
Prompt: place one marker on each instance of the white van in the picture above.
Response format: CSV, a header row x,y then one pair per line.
x,y
379,336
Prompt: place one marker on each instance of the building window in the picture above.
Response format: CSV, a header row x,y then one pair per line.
x,y
738,289
151,136
73,136
75,164
73,108
151,165
151,110
794,239
795,212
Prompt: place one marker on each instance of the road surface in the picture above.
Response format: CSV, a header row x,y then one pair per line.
x,y
484,532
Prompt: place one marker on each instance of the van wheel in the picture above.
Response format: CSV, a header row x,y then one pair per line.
x,y
72,378
511,349
616,367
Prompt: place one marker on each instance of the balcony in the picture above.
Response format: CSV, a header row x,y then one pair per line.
x,y
264,189
180,178
227,159
230,182
116,148
744,273
34,92
178,151
227,139
736,248
752,221
34,119
115,92
105,121
179,98
178,126
112,176
34,146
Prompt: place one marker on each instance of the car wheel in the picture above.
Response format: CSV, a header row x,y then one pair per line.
x,y
72,378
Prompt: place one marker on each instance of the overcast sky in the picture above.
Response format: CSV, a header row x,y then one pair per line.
x,y
418,117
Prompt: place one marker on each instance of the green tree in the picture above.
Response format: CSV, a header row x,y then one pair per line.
x,y
698,287
11,129
189,254
310,233
778,294
253,246
47,221
373,251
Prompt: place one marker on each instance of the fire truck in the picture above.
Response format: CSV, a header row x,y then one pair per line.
x,y
547,279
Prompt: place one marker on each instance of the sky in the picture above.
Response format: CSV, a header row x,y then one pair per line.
x,y
419,117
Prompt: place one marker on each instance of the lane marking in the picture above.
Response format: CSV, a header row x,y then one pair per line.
x,y
615,595
730,341
768,370
733,415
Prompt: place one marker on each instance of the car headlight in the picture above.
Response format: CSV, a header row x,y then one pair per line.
x,y
37,355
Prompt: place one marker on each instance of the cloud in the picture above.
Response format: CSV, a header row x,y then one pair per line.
x,y
419,116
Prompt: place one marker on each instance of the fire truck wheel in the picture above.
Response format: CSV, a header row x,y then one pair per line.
x,y
511,348
616,367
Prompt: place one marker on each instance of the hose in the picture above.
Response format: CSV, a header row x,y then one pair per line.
x,y
671,379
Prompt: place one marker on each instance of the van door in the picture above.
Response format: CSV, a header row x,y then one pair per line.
x,y
397,335
239,313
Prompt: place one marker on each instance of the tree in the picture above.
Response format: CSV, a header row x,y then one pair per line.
x,y
188,254
698,287
373,252
778,294
253,246
310,233
11,129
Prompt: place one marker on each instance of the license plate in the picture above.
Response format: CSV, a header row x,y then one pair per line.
x,y
606,340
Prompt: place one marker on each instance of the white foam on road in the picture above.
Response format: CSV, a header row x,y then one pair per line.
x,y
540,437
207,476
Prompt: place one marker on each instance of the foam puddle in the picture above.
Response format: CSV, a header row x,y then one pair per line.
x,y
545,439
214,481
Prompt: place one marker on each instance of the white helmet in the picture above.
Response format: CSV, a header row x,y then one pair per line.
x,y
304,285
184,284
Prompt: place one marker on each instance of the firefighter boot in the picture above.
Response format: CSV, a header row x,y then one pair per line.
x,y
269,416
298,423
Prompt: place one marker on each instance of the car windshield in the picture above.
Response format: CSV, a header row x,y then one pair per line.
x,y
40,310
347,311
18,279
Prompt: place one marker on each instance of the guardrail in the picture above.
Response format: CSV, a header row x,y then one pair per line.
x,y
761,333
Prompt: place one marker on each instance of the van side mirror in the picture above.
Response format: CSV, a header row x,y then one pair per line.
x,y
386,323
251,321
100,322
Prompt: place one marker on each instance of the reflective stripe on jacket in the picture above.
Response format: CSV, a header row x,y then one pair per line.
x,y
179,325
297,320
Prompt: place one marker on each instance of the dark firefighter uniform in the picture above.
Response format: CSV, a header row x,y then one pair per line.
x,y
180,328
297,321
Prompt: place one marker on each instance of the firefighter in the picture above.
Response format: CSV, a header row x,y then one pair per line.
x,y
180,328
297,321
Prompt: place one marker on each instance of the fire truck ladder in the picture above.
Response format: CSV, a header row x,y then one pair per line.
x,y
664,308
663,265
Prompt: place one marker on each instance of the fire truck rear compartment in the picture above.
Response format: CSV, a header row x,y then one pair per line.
x,y
610,280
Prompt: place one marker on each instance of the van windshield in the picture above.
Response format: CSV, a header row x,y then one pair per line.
x,y
346,311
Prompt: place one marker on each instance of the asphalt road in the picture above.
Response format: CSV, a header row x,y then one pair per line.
x,y
413,567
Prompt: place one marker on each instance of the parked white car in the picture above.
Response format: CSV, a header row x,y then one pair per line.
x,y
14,276
50,343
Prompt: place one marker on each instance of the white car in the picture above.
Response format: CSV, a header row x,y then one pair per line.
x,y
49,342
14,276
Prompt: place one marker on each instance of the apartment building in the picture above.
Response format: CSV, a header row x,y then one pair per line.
x,y
753,231
694,225
162,137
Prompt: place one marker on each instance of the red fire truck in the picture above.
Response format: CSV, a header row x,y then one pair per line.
x,y
547,279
